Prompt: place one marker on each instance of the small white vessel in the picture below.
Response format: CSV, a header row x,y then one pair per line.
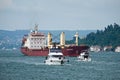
x,y
55,57
84,56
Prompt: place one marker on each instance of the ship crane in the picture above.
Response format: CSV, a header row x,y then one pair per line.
x,y
76,36
62,39
49,40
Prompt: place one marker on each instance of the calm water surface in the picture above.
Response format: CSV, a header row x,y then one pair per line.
x,y
16,66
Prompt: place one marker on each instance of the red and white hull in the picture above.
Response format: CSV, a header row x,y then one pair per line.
x,y
68,51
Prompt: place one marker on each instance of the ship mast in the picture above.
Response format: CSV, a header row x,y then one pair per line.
x,y
36,28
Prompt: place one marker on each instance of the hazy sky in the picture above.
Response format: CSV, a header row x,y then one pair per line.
x,y
59,14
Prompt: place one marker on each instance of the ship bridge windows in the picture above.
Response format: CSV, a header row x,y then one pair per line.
x,y
37,39
36,47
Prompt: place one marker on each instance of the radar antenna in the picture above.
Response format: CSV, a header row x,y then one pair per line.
x,y
36,27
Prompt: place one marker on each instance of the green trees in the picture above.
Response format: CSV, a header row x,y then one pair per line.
x,y
109,37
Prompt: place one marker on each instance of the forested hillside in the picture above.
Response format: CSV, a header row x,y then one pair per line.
x,y
110,36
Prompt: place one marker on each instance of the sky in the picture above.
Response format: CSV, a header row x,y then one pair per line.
x,y
58,14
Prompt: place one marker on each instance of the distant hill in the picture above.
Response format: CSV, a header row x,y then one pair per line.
x,y
12,39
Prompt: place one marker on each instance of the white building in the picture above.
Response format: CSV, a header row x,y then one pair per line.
x,y
107,48
117,49
95,48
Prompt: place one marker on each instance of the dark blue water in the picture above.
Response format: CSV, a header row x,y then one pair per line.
x,y
15,66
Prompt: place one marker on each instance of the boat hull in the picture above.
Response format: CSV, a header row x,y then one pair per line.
x,y
54,62
72,51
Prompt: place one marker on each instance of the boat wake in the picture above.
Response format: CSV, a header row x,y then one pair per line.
x,y
85,60
34,63
29,62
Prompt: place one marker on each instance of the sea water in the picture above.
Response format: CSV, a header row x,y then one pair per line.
x,y
16,66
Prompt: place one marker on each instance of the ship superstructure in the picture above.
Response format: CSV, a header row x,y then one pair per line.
x,y
34,44
35,40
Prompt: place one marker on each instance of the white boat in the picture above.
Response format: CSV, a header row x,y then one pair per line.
x,y
55,57
84,56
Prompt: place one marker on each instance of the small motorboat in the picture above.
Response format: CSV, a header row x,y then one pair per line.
x,y
84,56
55,57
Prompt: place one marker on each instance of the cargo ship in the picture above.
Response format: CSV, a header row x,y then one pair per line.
x,y
38,44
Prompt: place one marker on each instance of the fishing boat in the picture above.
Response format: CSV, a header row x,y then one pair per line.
x,y
38,44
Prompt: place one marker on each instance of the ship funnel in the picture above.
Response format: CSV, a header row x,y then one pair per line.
x,y
76,36
49,40
62,39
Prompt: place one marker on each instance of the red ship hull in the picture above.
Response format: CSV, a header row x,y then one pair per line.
x,y
34,52
67,51
74,51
